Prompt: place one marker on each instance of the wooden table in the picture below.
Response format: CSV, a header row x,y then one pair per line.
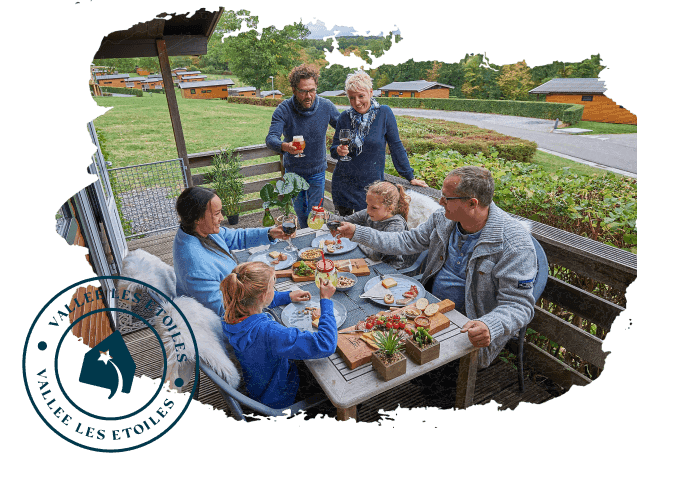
x,y
347,388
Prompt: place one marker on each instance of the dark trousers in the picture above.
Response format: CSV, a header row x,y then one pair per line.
x,y
344,211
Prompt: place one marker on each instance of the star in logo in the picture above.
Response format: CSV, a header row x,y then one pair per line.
x,y
104,357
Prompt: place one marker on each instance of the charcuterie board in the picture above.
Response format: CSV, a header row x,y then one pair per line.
x,y
356,352
359,267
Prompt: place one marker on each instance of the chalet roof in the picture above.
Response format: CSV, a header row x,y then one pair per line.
x,y
193,76
194,72
136,79
112,77
415,85
332,93
183,35
268,93
571,85
152,80
242,89
206,83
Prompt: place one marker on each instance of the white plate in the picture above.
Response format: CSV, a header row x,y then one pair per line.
x,y
292,318
347,245
403,285
264,257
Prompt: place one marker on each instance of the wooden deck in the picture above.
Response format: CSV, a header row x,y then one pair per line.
x,y
498,382
93,328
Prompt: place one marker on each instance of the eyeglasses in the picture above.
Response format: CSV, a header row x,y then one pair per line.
x,y
306,92
445,199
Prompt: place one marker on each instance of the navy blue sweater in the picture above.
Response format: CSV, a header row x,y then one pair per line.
x,y
290,119
264,349
350,179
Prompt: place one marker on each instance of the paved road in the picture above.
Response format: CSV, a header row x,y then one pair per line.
x,y
617,153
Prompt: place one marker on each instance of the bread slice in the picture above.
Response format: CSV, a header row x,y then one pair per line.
x,y
331,249
388,298
389,282
431,309
422,303
274,254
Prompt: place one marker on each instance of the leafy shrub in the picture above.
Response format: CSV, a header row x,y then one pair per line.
x,y
261,102
602,207
566,112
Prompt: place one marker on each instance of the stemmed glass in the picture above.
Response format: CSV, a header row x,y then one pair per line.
x,y
289,226
345,139
299,144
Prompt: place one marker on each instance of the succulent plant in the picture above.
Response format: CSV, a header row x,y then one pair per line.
x,y
388,343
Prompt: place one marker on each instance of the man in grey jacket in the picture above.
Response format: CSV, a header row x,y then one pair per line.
x,y
479,257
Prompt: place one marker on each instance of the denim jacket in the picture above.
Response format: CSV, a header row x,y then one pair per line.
x,y
500,272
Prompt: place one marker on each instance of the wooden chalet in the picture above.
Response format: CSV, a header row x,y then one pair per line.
x,y
271,94
588,92
181,75
206,89
193,78
416,89
141,71
333,93
243,92
152,84
117,81
134,82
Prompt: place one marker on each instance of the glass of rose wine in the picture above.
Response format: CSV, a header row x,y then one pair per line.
x,y
299,144
289,226
345,139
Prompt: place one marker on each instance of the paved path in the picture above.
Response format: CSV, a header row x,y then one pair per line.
x,y
617,153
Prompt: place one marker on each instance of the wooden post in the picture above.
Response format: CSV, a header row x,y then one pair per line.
x,y
348,413
466,380
168,85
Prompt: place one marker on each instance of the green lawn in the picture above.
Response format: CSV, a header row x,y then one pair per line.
x,y
554,163
600,128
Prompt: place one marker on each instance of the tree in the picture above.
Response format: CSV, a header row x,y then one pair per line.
x,y
515,81
333,77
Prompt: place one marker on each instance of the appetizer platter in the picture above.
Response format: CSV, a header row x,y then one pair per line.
x,y
359,268
398,291
278,260
332,245
305,315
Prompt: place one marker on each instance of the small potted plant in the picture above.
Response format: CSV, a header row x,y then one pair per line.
x,y
281,193
388,360
227,181
422,347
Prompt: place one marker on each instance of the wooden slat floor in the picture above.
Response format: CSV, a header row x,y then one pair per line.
x,y
497,383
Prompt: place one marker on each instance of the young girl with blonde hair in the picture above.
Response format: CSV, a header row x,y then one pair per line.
x,y
264,347
387,211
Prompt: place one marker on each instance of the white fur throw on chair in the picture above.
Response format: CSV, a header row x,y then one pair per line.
x,y
421,208
213,348
147,268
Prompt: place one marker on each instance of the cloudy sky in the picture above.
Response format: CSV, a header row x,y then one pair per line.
x,y
320,30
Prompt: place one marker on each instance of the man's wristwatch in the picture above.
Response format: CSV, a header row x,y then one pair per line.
x,y
271,239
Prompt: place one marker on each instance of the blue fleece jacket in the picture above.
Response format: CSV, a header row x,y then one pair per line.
x,y
350,179
199,271
290,119
264,349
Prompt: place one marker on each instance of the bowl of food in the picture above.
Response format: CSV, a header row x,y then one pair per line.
x,y
412,313
310,254
423,321
345,281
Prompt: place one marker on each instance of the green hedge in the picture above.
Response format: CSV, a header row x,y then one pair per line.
x,y
126,91
566,112
261,102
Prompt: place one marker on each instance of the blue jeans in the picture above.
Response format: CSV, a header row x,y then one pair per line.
x,y
309,198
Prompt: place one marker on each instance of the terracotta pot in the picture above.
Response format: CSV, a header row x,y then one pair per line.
x,y
422,356
387,372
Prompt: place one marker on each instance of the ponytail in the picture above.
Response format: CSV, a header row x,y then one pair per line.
x,y
243,288
393,196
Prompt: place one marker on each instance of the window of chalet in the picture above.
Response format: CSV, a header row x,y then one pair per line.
x,y
193,90
412,94
107,83
224,89
205,91
587,98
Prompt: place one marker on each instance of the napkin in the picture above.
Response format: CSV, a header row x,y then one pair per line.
x,y
378,291
260,248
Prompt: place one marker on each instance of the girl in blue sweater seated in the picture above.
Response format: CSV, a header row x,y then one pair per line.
x,y
387,211
264,347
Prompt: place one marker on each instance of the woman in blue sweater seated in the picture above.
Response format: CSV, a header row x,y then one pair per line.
x,y
372,127
202,247
264,347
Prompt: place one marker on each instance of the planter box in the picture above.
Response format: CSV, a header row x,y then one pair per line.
x,y
387,372
422,356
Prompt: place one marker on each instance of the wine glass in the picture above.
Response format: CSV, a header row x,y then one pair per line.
x,y
289,226
333,225
345,139
299,144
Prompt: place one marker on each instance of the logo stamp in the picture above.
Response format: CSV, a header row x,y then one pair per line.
x,y
93,396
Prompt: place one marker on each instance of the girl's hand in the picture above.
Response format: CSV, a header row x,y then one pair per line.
x,y
418,183
299,296
327,289
343,150
346,230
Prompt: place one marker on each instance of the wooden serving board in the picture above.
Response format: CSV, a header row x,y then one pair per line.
x,y
356,352
359,267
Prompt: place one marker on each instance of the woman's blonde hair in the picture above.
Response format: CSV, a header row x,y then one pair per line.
x,y
358,80
393,196
243,288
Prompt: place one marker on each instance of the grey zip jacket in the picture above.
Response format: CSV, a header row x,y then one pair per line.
x,y
500,273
